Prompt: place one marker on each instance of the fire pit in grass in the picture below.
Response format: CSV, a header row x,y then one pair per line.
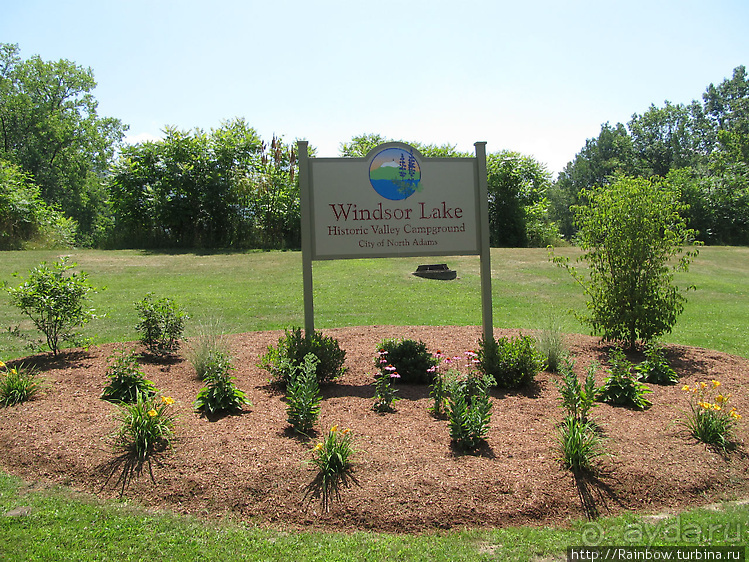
x,y
436,271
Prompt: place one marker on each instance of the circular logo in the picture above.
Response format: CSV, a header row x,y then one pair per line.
x,y
395,173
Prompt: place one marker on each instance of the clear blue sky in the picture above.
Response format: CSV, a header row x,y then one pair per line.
x,y
535,76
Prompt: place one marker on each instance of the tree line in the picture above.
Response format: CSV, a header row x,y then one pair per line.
x,y
68,178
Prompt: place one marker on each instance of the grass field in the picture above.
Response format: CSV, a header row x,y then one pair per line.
x,y
261,291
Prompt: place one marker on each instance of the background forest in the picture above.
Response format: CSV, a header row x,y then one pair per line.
x,y
68,179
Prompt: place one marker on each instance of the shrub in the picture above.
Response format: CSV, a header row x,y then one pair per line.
x,y
146,426
410,358
622,387
709,420
17,384
303,395
126,380
209,352
332,457
577,399
469,410
511,362
160,323
55,302
220,395
292,348
655,369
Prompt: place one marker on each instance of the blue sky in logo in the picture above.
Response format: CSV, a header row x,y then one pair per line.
x,y
395,173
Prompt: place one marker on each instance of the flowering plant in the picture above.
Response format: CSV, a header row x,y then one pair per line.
x,y
17,384
332,457
384,392
709,419
146,425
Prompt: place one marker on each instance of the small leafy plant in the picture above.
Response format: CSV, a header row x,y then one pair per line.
x,y
512,362
410,358
469,408
160,323
220,393
55,301
384,391
440,388
655,369
332,457
126,380
146,426
17,384
282,360
709,420
622,387
303,395
577,399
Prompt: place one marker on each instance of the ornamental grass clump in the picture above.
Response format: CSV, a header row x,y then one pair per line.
x,y
17,384
126,380
332,457
709,419
209,351
146,426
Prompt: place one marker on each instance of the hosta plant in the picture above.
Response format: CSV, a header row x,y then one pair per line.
x,y
220,395
17,384
709,418
655,369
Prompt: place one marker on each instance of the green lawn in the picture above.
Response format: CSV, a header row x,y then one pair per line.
x,y
263,290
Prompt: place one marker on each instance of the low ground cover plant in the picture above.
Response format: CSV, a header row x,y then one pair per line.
x,y
126,379
146,426
622,387
161,322
293,347
709,419
303,395
17,384
411,360
55,300
512,362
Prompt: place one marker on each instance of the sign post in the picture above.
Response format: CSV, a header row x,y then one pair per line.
x,y
394,203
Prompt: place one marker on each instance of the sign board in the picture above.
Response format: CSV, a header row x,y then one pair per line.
x,y
394,203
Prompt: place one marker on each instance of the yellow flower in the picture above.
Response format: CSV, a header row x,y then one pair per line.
x,y
704,405
318,447
13,372
152,413
686,387
716,407
703,384
334,428
345,431
2,365
168,400
735,415
716,384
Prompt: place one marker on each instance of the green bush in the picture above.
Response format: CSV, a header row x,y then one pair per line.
x,y
126,380
289,354
655,369
160,323
411,360
622,388
469,410
511,362
17,385
55,302
220,395
303,395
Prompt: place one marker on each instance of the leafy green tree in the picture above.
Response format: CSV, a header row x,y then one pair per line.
x,y
55,301
50,128
633,239
518,206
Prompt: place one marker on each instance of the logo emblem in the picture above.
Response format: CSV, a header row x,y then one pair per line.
x,y
395,173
